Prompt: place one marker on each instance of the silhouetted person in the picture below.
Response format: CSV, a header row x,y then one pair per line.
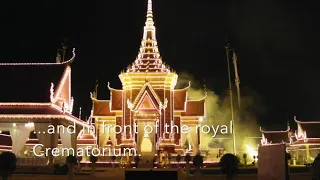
x,y
315,169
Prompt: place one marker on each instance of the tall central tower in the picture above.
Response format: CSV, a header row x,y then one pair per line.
x,y
148,65
148,85
148,99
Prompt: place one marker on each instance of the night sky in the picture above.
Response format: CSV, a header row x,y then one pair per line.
x,y
277,45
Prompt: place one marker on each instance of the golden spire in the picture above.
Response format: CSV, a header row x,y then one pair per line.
x,y
149,28
148,59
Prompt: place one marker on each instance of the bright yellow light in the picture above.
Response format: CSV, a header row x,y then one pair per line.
x,y
251,151
201,119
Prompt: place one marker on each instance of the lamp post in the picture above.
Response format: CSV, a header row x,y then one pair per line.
x,y
227,47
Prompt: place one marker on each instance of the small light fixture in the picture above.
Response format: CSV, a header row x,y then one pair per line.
x,y
14,124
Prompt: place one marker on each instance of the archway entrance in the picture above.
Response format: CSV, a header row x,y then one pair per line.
x,y
146,143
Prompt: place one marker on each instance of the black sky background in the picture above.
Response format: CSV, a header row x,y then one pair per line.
x,y
277,45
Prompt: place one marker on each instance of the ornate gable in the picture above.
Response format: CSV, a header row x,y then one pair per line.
x,y
147,90
62,95
146,103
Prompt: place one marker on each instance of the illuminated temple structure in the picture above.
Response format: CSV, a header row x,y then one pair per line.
x,y
35,101
148,98
303,144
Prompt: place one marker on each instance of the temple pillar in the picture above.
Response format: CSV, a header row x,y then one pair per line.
x,y
140,135
296,155
307,153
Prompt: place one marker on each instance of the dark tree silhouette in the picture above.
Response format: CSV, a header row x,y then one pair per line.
x,y
8,162
229,165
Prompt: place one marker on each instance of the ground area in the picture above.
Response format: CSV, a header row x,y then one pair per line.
x,y
146,177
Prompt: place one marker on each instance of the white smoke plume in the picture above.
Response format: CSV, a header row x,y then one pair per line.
x,y
218,112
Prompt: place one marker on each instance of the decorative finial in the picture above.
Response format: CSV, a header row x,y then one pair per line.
x,y
149,10
149,21
63,50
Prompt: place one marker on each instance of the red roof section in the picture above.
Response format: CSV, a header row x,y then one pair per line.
x,y
86,139
116,100
194,108
180,97
102,108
